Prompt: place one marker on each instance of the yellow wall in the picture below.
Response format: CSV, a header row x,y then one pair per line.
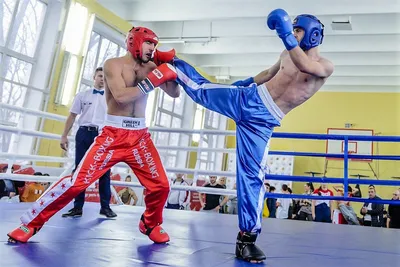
x,y
377,111
52,147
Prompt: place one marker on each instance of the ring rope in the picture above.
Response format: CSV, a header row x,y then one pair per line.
x,y
42,114
200,189
220,132
345,156
35,157
306,136
268,177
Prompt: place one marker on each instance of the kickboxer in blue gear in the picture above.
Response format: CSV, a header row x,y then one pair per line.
x,y
258,105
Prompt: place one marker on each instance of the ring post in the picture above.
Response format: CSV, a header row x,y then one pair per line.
x,y
346,165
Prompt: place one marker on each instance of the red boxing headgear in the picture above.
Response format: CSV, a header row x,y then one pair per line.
x,y
136,37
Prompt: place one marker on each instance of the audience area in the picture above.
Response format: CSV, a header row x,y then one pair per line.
x,y
322,211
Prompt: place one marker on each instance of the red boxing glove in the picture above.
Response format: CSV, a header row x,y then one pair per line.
x,y
162,74
163,55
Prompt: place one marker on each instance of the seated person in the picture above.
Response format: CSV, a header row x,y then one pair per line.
x,y
345,206
127,194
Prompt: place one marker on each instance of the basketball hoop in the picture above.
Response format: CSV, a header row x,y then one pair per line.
x,y
354,147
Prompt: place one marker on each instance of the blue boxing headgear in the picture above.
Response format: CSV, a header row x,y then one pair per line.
x,y
313,30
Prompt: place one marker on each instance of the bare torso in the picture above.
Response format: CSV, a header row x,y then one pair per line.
x,y
290,88
132,73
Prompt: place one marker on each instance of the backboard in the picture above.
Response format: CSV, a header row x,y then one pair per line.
x,y
355,147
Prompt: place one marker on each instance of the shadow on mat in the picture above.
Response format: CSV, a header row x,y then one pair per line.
x,y
36,254
148,254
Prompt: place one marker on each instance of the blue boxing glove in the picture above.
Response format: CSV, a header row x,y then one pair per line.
x,y
244,83
280,21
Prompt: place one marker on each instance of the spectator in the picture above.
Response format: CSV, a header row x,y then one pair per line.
x,y
283,204
265,208
345,207
271,203
373,212
212,200
394,212
305,213
46,184
232,206
127,194
322,210
222,181
33,191
177,198
9,188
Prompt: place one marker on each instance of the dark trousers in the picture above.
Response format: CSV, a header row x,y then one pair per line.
x,y
173,206
323,213
305,216
83,140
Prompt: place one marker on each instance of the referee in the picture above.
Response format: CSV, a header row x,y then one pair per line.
x,y
91,106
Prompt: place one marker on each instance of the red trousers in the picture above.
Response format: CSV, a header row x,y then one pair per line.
x,y
123,139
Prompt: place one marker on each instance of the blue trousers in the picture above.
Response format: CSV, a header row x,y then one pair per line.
x,y
83,140
323,213
256,115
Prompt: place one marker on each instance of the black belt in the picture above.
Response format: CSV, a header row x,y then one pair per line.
x,y
90,128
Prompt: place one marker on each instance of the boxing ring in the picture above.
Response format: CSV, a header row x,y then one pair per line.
x,y
197,238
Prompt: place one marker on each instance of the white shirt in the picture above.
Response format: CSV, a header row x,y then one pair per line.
x,y
91,107
177,196
282,212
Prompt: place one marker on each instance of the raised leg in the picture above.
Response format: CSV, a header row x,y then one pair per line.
x,y
221,98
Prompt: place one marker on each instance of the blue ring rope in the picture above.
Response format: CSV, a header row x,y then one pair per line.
x,y
339,156
345,156
330,180
336,137
352,199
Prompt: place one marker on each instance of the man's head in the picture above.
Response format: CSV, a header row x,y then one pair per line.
x,y
308,31
371,191
179,176
396,195
128,178
98,78
141,43
213,179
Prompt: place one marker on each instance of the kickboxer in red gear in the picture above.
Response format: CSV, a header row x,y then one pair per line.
x,y
124,138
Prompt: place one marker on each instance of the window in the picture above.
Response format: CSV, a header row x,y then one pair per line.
x,y
100,49
212,160
20,30
104,43
169,115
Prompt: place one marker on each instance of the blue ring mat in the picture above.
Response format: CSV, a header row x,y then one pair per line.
x,y
197,239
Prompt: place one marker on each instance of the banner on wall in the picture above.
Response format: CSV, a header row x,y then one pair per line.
x,y
194,197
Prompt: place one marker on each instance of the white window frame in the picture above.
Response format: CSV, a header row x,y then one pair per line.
x,y
37,87
107,32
